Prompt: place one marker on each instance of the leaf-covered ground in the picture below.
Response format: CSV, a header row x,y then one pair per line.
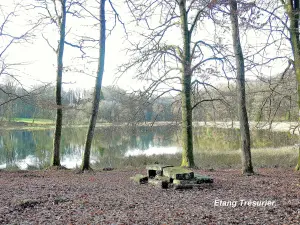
x,y
110,197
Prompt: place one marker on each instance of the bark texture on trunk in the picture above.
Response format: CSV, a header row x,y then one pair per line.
x,y
240,69
60,53
186,107
97,92
292,9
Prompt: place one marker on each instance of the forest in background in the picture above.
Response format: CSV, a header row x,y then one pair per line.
x,y
269,99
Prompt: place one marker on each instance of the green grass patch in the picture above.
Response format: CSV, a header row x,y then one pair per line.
x,y
33,121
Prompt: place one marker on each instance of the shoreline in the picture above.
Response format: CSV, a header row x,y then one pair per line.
x,y
291,127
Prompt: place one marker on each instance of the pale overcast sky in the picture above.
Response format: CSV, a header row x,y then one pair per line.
x,y
42,60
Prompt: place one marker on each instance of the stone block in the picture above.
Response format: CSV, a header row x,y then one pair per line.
x,y
159,183
140,179
178,173
156,170
203,179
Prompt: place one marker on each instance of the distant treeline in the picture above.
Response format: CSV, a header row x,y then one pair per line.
x,y
271,99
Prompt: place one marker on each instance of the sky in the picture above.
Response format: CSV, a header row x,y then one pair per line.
x,y
41,65
40,59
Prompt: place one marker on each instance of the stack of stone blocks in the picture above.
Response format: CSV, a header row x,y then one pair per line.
x,y
166,176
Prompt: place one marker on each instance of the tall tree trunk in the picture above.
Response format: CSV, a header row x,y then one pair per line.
x,y
292,9
97,91
244,125
60,53
186,107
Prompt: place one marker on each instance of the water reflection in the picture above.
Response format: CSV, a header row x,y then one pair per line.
x,y
25,149
153,151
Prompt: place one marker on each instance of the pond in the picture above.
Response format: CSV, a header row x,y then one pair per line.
x,y
24,149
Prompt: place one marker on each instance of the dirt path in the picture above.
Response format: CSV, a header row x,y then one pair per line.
x,y
63,197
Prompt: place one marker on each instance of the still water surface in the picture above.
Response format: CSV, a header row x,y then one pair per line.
x,y
22,149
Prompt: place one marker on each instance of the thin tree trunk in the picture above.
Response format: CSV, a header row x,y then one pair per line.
x,y
58,126
292,9
186,107
244,125
97,92
33,116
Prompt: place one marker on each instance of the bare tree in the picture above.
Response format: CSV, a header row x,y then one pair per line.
x,y
61,19
283,19
292,10
55,12
172,66
97,92
100,71
257,17
289,29
58,16
240,71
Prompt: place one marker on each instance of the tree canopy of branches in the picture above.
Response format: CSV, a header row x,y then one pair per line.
x,y
179,61
292,10
10,37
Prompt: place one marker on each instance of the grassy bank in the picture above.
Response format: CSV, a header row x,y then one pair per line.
x,y
36,121
26,124
284,157
42,124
